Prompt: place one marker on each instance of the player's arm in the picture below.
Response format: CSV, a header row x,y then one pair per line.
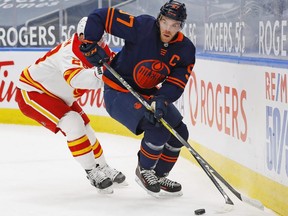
x,y
175,83
112,21
76,74
170,91
82,78
85,78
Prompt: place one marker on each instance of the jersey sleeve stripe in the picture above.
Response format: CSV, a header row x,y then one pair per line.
x,y
70,73
109,20
177,82
78,92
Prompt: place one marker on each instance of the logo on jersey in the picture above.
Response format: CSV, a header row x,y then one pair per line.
x,y
77,93
137,105
149,73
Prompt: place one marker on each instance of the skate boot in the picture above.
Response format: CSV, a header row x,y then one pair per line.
x,y
148,181
115,175
99,180
169,187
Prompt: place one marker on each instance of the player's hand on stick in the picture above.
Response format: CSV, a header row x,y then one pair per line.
x,y
159,110
159,106
95,54
150,117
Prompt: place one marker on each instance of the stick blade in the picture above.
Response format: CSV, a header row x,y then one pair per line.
x,y
253,202
228,201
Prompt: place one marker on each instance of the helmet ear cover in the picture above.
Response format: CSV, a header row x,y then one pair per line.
x,y
174,10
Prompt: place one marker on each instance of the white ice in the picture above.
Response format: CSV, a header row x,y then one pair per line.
x,y
39,177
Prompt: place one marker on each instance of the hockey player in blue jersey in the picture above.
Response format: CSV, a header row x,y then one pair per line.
x,y
156,60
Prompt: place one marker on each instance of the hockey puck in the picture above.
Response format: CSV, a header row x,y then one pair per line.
x,y
199,211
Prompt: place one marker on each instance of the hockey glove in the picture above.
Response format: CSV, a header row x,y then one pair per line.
x,y
159,105
159,108
150,117
94,54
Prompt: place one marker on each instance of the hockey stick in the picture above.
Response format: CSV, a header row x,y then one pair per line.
x,y
209,170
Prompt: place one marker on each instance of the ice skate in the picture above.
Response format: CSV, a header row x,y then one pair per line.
x,y
115,175
169,187
148,181
99,180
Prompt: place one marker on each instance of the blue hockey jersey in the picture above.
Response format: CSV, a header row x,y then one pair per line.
x,y
150,66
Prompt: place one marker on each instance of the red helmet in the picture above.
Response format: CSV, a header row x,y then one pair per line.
x,y
174,10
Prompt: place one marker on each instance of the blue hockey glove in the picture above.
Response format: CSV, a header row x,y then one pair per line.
x,y
159,105
94,54
150,117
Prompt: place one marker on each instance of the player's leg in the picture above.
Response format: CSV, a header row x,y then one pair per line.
x,y
115,175
150,152
171,152
110,172
168,159
153,151
79,144
126,109
55,115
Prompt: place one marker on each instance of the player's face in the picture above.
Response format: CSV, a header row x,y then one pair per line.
x,y
168,28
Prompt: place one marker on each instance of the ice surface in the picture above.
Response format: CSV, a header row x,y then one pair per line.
x,y
39,177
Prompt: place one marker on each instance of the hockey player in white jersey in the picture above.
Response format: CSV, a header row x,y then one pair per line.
x,y
48,91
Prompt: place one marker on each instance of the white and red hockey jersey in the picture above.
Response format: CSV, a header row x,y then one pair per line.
x,y
63,72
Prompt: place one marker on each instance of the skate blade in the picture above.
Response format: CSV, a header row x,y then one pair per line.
x,y
224,209
119,185
154,194
165,194
108,190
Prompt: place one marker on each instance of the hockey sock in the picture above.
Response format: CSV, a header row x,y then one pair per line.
x,y
73,126
97,149
167,160
149,154
171,152
81,150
